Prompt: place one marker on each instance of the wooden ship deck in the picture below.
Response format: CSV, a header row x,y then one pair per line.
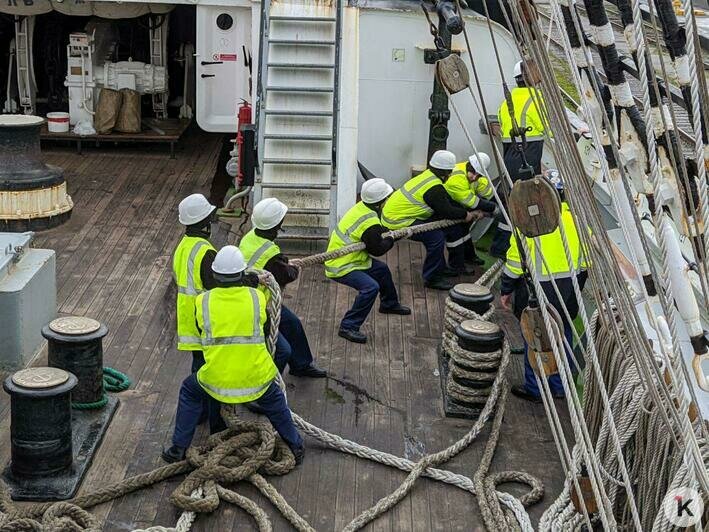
x,y
113,264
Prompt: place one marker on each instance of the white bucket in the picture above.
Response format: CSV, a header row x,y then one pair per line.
x,y
58,122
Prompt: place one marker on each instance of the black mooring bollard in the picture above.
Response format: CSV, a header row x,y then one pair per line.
x,y
75,345
479,336
475,297
40,421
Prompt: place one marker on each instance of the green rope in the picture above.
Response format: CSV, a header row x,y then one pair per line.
x,y
113,381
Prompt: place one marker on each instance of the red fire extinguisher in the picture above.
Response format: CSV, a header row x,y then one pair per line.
x,y
244,119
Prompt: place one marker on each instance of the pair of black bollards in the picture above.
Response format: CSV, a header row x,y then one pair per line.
x,y
41,400
471,371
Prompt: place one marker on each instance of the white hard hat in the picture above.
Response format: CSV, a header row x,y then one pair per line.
x,y
443,160
480,165
375,190
517,72
555,178
229,261
193,209
268,213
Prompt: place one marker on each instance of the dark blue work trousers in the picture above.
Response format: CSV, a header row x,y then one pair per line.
x,y
292,346
456,254
530,381
376,280
193,399
435,244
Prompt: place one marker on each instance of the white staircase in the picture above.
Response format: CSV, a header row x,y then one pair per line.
x,y
297,112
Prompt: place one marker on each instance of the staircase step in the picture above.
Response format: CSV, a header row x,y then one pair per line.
x,y
302,65
299,89
302,19
288,112
280,160
303,42
299,186
290,136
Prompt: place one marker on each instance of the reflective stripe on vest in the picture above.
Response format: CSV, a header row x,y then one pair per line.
x,y
234,392
209,339
553,253
403,207
405,221
189,339
259,252
460,189
186,266
522,100
190,289
346,236
353,224
409,194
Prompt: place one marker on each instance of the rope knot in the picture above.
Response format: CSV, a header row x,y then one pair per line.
x,y
245,448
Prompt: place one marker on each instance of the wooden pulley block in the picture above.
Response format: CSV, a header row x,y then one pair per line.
x,y
534,206
543,363
453,73
586,499
535,334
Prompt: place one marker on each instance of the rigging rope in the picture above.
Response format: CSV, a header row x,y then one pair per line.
x,y
247,448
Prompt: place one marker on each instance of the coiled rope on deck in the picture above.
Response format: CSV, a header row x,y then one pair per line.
x,y
247,449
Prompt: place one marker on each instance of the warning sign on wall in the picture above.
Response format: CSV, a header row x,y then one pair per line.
x,y
224,57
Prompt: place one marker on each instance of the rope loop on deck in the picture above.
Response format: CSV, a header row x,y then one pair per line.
x,y
248,449
113,381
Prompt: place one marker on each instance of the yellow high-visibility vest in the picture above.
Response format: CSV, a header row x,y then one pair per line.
x,y
481,187
406,205
524,100
237,365
257,250
186,264
554,264
349,231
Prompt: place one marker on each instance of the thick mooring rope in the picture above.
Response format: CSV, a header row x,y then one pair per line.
x,y
248,448
397,234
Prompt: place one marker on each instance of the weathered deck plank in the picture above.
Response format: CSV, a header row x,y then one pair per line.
x,y
113,263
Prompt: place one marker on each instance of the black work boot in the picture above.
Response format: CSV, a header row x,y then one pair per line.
x,y
353,336
522,392
173,454
311,371
438,283
299,455
401,310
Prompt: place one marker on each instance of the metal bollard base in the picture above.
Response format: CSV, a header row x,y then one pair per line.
x,y
88,428
452,408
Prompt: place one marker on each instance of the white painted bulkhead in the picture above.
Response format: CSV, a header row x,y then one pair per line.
x,y
223,33
385,86
395,86
384,98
